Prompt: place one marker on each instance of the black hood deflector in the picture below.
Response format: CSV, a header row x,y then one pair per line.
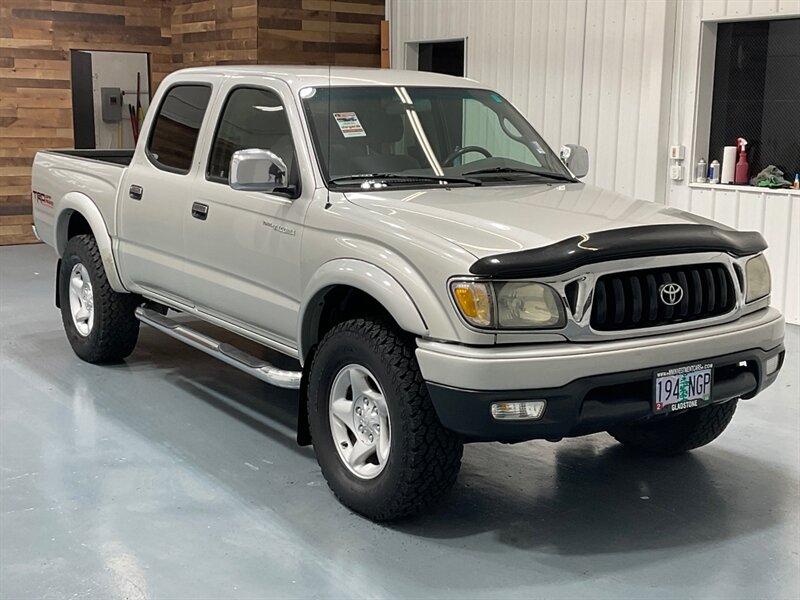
x,y
615,244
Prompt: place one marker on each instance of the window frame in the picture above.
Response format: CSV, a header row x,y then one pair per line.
x,y
252,86
150,157
704,91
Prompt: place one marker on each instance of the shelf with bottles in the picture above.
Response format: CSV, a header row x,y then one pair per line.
x,y
752,189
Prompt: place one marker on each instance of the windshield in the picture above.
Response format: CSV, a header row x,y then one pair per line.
x,y
418,136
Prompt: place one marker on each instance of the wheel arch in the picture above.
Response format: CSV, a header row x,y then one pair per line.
x,y
351,280
78,214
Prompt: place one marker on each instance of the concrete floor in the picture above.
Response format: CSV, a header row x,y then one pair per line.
x,y
174,476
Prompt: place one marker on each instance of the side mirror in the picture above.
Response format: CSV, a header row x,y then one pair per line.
x,y
257,170
576,158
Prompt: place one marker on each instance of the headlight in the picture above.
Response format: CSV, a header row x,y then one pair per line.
x,y
758,282
521,305
509,305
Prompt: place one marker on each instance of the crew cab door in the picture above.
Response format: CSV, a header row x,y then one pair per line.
x,y
155,198
243,247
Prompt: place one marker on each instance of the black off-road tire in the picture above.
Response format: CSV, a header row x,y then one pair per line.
x,y
424,457
115,330
677,434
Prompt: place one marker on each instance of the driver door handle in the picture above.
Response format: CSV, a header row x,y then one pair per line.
x,y
200,211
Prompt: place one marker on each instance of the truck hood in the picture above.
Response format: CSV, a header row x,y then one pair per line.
x,y
491,220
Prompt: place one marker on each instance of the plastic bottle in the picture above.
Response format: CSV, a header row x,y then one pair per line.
x,y
714,172
742,167
700,171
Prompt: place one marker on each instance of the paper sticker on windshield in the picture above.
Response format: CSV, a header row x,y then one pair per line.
x,y
349,124
538,147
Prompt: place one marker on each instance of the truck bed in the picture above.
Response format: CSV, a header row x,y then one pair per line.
x,y
116,157
61,178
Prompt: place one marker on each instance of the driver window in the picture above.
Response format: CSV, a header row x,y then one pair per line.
x,y
483,127
251,118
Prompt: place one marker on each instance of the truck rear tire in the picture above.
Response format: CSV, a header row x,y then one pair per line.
x,y
100,323
375,432
678,434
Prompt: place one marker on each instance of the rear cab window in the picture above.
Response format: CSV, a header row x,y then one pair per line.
x,y
176,127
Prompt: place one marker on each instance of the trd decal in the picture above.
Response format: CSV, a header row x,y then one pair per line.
x,y
43,199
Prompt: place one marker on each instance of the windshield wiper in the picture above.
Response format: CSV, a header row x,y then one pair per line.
x,y
408,177
501,170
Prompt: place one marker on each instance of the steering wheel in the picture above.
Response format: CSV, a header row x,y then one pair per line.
x,y
461,151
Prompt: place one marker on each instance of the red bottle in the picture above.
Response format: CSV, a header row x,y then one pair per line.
x,y
742,174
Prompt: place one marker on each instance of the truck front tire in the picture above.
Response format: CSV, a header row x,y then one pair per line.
x,y
100,323
679,433
375,432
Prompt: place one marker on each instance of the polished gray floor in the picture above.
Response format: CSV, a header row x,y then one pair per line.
x,y
173,476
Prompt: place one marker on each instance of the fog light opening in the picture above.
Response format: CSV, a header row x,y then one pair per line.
x,y
772,364
529,410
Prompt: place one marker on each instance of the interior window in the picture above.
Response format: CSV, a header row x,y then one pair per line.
x,y
480,128
177,127
252,118
757,93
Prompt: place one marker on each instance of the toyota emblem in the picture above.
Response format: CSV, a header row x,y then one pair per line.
x,y
671,293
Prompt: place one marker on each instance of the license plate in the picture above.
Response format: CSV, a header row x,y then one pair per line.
x,y
683,387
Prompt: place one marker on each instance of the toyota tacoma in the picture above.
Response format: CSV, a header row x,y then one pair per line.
x,y
439,274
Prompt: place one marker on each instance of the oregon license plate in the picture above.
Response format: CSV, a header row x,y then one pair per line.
x,y
683,387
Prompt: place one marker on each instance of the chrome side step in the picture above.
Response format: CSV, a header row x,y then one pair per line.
x,y
225,352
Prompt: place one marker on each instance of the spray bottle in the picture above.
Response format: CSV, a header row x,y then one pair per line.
x,y
742,167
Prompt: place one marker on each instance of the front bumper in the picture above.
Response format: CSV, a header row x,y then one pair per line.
x,y
589,387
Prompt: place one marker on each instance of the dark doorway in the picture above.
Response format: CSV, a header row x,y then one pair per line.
x,y
82,100
442,57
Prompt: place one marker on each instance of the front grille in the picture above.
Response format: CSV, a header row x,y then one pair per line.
x,y
632,300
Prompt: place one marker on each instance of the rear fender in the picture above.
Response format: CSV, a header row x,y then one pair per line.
x,y
76,202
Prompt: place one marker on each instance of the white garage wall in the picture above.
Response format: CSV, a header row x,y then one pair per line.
x,y
775,214
547,35
573,91
619,77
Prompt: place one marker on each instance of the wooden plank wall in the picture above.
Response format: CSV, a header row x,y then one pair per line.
x,y
36,37
320,32
214,32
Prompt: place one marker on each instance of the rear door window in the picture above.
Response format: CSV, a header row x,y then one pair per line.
x,y
177,126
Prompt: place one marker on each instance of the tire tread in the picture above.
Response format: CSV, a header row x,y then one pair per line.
x,y
679,434
115,325
431,468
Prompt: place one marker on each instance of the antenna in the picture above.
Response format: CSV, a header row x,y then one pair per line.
x,y
329,115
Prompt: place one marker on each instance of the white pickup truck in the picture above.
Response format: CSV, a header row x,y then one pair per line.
x,y
440,275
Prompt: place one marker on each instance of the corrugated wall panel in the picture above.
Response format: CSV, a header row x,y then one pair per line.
x,y
776,216
595,71
545,35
